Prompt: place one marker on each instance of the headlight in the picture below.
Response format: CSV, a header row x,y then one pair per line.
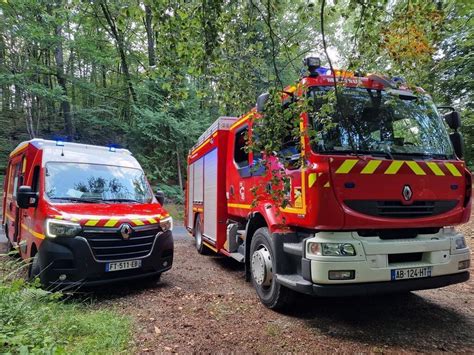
x,y
460,243
330,249
166,224
58,228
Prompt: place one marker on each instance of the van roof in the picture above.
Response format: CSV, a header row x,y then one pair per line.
x,y
79,153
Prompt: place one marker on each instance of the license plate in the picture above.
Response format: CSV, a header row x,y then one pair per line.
x,y
412,273
123,265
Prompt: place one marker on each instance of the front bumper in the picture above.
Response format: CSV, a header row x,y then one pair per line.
x,y
73,259
371,288
372,266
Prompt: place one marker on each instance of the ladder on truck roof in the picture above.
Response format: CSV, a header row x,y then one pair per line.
x,y
222,123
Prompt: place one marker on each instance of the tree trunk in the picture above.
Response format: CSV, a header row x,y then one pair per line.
x,y
150,35
65,105
119,40
180,178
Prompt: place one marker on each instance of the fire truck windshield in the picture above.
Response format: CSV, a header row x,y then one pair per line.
x,y
377,122
83,182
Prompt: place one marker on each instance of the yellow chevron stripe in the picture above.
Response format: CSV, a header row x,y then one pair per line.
x,y
138,222
111,223
152,220
91,222
347,166
32,232
415,167
452,169
312,179
394,167
371,167
435,169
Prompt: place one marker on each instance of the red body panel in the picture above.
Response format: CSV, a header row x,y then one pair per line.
x,y
320,190
30,222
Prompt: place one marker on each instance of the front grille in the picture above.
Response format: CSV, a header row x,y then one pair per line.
x,y
396,209
107,244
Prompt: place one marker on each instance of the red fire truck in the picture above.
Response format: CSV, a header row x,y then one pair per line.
x,y
84,215
374,216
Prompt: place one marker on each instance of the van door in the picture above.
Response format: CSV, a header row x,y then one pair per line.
x,y
15,180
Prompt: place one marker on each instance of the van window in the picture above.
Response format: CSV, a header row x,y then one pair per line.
x,y
17,179
241,157
35,180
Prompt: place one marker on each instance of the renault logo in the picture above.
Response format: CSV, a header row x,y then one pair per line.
x,y
125,231
407,193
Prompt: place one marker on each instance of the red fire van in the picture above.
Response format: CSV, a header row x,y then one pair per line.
x,y
84,214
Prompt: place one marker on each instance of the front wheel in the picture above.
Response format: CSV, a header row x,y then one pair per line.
x,y
34,270
271,293
200,247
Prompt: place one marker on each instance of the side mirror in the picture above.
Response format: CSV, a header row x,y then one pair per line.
x,y
261,100
458,144
160,196
453,119
26,198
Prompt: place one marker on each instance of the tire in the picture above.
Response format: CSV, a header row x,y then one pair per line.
x,y
200,247
34,270
271,293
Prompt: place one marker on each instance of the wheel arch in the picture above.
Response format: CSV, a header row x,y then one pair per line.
x,y
255,221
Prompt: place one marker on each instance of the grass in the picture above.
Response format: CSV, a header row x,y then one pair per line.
x,y
176,211
37,321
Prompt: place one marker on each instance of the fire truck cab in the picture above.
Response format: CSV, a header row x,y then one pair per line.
x,y
84,215
374,218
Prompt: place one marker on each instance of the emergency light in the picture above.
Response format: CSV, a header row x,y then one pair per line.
x,y
313,63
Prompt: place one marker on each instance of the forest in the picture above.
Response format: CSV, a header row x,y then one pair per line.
x,y
152,75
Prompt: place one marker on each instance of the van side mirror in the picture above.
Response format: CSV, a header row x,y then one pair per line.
x,y
261,100
26,198
458,144
453,119
160,196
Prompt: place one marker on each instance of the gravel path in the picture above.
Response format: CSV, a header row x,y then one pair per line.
x,y
204,305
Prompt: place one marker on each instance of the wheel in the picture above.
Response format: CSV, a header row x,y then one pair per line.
x,y
271,293
35,268
200,247
9,243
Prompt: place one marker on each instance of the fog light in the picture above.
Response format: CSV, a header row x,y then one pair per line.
x,y
62,277
464,264
165,263
341,274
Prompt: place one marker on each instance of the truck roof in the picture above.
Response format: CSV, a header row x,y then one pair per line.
x,y
79,153
222,123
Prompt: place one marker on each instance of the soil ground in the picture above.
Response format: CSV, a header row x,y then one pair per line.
x,y
204,305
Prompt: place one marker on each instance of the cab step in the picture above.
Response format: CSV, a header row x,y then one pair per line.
x,y
237,256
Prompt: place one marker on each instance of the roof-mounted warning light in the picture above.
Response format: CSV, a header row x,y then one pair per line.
x,y
59,143
313,63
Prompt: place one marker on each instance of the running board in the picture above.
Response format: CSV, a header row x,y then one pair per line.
x,y
237,256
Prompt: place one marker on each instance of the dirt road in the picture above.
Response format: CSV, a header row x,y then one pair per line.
x,y
204,304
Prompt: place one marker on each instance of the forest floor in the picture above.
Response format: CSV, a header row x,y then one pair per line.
x,y
203,304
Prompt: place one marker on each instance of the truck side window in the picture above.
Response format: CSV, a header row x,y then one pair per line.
x,y
35,181
16,178
241,157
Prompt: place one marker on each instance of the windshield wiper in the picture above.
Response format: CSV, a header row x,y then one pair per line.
x,y
423,155
121,200
78,199
358,151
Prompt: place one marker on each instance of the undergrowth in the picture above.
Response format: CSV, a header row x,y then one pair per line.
x,y
36,321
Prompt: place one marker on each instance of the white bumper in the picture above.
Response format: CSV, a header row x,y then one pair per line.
x,y
372,262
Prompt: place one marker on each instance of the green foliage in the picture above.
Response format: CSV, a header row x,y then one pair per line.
x,y
173,193
36,321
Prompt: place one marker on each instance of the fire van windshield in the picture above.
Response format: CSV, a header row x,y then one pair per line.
x,y
83,182
370,121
